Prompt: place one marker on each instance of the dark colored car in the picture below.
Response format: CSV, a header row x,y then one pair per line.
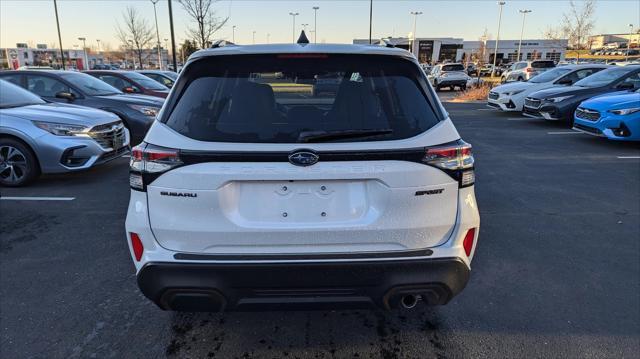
x,y
131,82
136,111
167,78
559,103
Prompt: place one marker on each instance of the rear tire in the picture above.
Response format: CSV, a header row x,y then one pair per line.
x,y
18,164
520,79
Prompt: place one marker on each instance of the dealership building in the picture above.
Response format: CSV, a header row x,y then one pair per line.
x,y
22,55
435,50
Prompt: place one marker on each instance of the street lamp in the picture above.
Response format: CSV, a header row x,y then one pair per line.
x,y
155,14
413,36
233,34
495,52
629,42
254,37
304,27
524,15
98,49
132,53
315,24
294,14
268,35
84,49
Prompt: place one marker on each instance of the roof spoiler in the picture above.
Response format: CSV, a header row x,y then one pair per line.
x,y
221,43
385,43
303,38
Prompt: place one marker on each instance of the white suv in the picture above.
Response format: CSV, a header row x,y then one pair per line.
x,y
449,75
525,70
253,191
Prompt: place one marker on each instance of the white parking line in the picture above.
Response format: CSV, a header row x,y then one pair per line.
x,y
37,198
126,156
628,157
485,109
564,133
519,119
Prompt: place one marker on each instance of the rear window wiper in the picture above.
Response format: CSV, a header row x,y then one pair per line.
x,y
320,136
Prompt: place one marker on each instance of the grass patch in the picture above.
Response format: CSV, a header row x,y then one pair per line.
x,y
479,93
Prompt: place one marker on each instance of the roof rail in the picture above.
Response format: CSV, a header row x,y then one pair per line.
x,y
221,43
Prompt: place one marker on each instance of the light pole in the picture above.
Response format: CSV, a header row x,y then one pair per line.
x,y
98,48
268,35
413,36
233,34
132,53
315,24
294,14
370,19
629,42
495,52
166,46
304,27
155,14
55,6
84,49
524,15
254,37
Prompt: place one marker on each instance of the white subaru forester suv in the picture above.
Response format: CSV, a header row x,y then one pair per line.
x,y
253,191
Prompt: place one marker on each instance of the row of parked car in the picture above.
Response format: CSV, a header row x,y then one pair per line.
x,y
600,100
47,116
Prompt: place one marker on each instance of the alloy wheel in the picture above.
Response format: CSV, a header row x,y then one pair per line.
x,y
13,164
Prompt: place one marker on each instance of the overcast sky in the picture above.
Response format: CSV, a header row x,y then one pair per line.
x,y
338,21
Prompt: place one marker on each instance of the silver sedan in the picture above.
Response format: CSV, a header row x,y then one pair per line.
x,y
37,137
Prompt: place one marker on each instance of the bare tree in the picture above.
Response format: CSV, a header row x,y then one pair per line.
x,y
207,23
135,33
577,25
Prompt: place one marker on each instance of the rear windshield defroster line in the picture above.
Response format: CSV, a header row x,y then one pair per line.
x,y
275,98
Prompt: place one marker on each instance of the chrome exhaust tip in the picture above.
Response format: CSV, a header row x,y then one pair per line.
x,y
409,301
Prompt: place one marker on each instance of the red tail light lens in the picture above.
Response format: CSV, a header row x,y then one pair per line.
x,y
137,246
150,159
529,69
467,243
456,159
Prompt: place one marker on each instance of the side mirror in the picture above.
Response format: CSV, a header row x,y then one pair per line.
x,y
625,86
565,81
66,96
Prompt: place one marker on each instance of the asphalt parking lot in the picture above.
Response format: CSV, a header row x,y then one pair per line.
x,y
556,273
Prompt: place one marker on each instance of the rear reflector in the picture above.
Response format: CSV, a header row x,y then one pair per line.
x,y
467,243
137,246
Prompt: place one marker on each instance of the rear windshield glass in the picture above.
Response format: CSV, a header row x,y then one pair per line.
x,y
605,77
146,82
543,64
292,98
550,75
456,67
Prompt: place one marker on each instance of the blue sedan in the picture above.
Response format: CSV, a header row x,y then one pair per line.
x,y
615,116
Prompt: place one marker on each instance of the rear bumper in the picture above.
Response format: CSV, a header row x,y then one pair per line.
x,y
300,285
452,82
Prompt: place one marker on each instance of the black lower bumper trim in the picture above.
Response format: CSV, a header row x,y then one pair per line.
x,y
309,285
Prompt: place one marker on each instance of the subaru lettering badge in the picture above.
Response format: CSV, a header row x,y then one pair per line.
x,y
303,158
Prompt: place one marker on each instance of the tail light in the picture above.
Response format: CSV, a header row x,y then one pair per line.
x,y
148,162
137,246
455,159
467,243
530,69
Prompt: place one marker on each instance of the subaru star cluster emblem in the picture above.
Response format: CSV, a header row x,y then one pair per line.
x,y
303,158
